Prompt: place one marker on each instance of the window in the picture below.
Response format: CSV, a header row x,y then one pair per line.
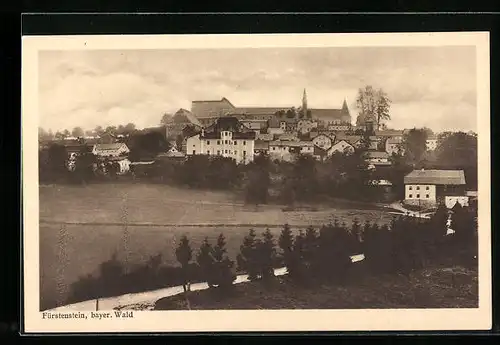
x,y
218,152
218,142
244,153
410,196
244,142
418,196
194,145
235,152
208,142
194,152
418,187
427,188
208,152
225,151
274,148
410,188
225,142
427,196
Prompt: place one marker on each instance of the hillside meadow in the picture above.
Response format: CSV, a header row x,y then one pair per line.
x,y
82,226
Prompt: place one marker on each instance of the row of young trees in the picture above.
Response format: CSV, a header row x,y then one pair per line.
x,y
313,256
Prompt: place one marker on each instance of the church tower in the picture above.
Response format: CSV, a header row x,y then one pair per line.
x,y
304,103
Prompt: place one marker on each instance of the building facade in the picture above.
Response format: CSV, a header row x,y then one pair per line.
x,y
431,187
226,138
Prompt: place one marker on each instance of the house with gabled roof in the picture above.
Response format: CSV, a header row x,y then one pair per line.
x,y
110,150
341,146
431,187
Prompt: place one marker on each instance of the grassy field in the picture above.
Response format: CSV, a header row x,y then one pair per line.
x,y
430,288
138,220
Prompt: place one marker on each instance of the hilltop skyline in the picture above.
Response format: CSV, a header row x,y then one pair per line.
x,y
431,87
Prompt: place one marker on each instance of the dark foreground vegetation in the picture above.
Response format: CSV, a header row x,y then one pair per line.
x,y
416,256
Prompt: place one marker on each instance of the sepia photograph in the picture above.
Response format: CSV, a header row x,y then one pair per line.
x,y
256,182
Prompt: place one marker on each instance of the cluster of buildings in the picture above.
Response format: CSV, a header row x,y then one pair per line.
x,y
217,127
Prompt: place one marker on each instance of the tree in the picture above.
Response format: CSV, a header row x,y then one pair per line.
x,y
77,132
99,130
459,151
259,180
166,119
247,259
372,103
415,145
464,223
267,255
285,242
129,128
184,255
206,261
222,275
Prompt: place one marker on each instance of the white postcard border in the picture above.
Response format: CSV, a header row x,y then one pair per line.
x,y
254,320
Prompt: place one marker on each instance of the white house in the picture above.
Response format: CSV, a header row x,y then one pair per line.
x,y
431,187
110,150
224,138
431,143
341,146
287,150
323,141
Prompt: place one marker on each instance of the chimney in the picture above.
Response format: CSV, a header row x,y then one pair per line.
x,y
202,131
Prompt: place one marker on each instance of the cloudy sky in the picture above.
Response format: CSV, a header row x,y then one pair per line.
x,y
428,86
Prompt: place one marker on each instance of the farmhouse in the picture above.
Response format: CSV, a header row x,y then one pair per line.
x,y
377,158
323,141
110,150
287,150
431,187
341,146
227,137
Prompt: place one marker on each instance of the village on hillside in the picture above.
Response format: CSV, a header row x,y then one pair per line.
x,y
402,164
339,196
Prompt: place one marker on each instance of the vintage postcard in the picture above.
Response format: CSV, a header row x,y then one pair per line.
x,y
292,182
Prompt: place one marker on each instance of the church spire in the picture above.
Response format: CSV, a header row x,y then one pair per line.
x,y
304,102
344,106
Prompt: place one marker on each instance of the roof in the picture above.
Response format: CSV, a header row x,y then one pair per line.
x,y
261,145
105,147
185,116
439,177
432,137
260,110
330,114
231,124
287,137
265,136
292,143
389,133
351,139
376,154
319,151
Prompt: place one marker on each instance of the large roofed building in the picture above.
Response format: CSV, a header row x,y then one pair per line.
x,y
208,111
428,187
